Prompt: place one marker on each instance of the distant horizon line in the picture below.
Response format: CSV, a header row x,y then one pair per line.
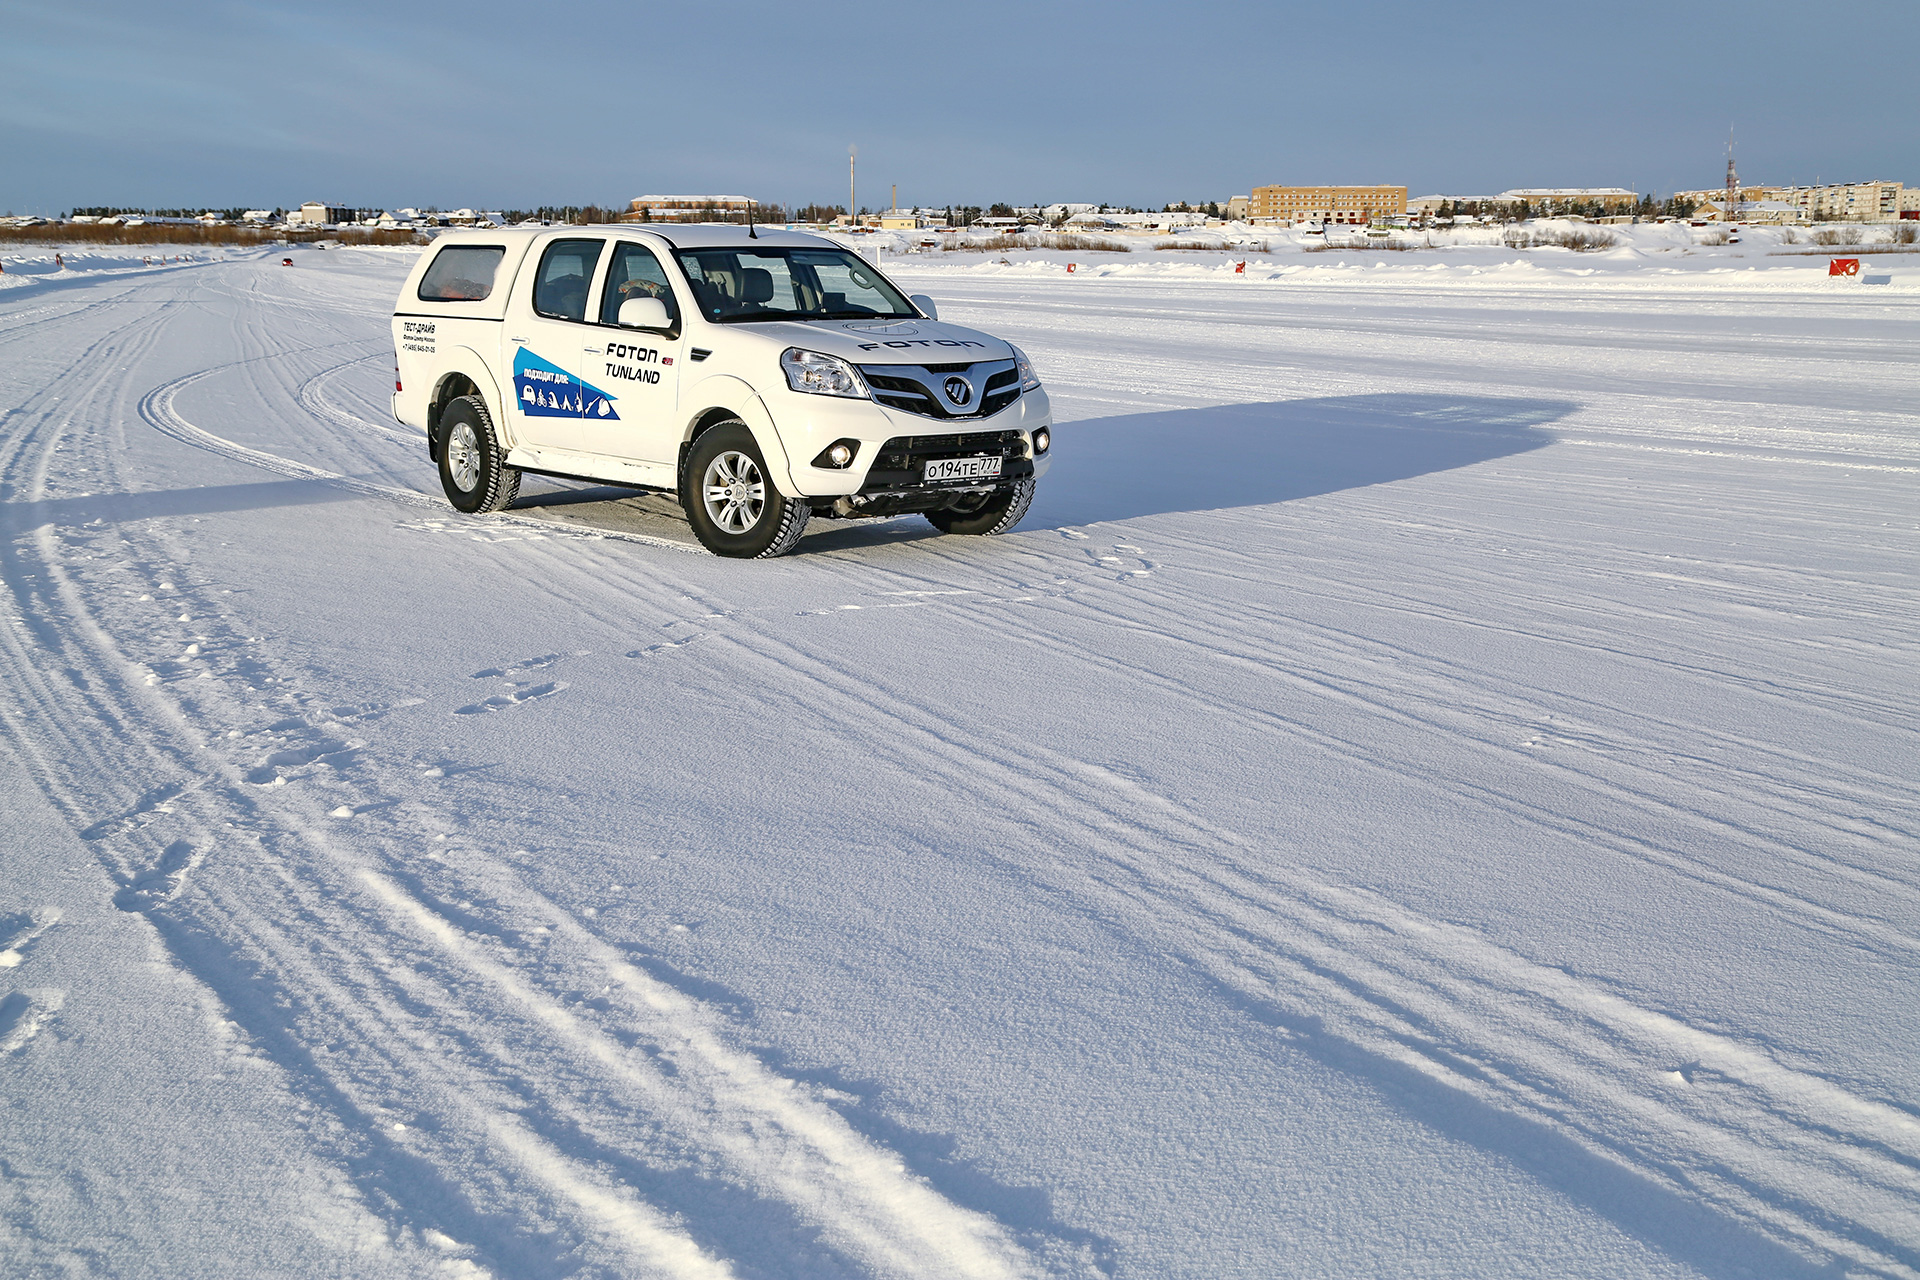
x,y
71,206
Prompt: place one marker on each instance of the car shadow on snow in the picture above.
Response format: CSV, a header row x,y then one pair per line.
x,y
1249,455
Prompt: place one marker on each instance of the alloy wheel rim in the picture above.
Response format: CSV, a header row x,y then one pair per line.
x,y
463,457
734,491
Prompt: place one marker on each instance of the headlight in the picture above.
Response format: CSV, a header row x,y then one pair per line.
x,y
1029,380
822,375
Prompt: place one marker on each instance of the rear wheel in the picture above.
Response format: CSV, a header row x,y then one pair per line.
x,y
472,470
994,514
732,503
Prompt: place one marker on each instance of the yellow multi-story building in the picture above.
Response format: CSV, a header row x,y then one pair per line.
x,y
1327,204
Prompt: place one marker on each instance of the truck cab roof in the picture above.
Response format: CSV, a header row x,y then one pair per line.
x,y
689,235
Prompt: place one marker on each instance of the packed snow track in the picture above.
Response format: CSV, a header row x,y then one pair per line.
x,y
1428,790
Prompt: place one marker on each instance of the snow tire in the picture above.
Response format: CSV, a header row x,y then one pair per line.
x,y
1002,509
732,503
473,469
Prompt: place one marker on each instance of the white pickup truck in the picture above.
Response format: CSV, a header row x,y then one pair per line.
x,y
762,376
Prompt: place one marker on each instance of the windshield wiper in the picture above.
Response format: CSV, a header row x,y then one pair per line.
x,y
762,314
765,314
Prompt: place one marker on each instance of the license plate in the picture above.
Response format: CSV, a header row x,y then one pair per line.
x,y
962,468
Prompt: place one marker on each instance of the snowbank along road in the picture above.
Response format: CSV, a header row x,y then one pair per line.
x,y
1429,790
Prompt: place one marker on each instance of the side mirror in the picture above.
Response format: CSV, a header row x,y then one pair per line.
x,y
925,304
644,313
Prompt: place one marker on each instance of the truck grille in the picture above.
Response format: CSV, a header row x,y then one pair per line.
x,y
914,388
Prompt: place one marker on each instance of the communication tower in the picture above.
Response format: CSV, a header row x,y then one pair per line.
x,y
1733,184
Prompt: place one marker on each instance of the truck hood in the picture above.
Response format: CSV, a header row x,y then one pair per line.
x,y
887,341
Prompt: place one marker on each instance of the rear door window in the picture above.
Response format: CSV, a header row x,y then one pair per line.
x,y
462,273
566,268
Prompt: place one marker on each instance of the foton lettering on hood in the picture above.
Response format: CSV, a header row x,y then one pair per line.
x,y
903,344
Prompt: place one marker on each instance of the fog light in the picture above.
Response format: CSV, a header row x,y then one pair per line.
x,y
837,456
1042,441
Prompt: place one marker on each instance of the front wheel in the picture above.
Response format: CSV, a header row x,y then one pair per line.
x,y
733,505
996,513
471,467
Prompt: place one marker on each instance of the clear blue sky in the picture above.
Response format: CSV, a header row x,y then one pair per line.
x,y
515,105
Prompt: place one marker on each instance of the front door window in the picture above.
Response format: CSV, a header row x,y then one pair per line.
x,y
636,369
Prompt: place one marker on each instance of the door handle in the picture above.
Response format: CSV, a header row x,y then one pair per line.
x,y
592,351
521,341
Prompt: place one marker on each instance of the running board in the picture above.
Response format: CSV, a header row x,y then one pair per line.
x,y
572,465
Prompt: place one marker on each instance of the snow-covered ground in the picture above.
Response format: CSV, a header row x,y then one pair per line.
x,y
1429,791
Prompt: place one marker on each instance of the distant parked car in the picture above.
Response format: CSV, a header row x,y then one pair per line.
x,y
286,262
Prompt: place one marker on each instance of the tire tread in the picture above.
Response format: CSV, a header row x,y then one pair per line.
x,y
1019,498
793,511
501,483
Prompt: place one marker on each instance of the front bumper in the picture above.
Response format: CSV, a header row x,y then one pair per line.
x,y
897,482
807,428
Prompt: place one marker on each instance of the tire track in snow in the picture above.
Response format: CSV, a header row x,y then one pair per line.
x,y
1595,638
1706,1116
313,398
1422,700
319,927
801,1151
156,408
1404,704
1423,695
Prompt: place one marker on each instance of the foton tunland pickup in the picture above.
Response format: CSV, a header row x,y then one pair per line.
x,y
762,376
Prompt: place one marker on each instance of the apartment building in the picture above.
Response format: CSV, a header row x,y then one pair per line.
x,y
1357,205
1848,201
1829,202
318,213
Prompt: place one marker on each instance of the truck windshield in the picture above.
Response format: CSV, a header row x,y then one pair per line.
x,y
742,285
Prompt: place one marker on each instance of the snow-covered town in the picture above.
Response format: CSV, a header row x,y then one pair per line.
x,y
1308,207
900,666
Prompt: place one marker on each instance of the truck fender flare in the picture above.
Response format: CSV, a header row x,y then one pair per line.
x,y
465,362
724,396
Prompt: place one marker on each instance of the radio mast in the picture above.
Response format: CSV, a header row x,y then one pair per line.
x,y
1733,182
